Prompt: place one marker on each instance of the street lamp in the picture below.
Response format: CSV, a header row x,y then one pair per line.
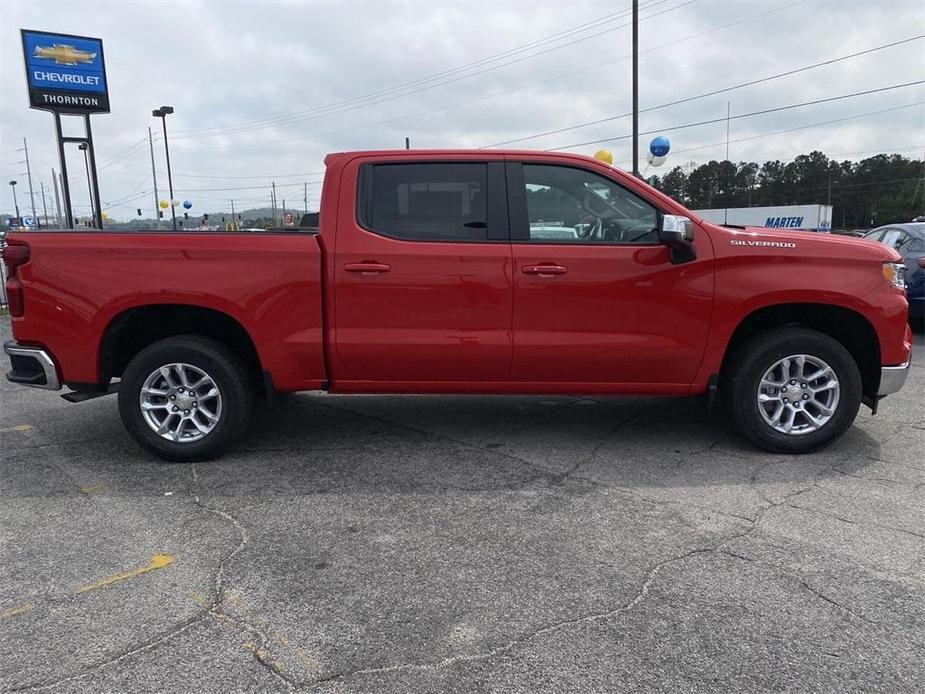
x,y
15,204
83,146
162,113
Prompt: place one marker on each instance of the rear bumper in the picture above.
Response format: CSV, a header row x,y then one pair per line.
x,y
892,379
31,366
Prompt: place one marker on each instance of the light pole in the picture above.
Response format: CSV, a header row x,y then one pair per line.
x,y
15,204
83,146
162,113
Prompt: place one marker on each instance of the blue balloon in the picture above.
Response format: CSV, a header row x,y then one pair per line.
x,y
659,146
187,204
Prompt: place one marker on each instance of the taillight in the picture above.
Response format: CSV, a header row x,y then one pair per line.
x,y
15,254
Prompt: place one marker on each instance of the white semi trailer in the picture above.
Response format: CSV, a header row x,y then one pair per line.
x,y
806,217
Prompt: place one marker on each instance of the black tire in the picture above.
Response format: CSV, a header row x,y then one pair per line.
x,y
225,368
743,374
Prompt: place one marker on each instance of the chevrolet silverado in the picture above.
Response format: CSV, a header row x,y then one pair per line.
x,y
462,272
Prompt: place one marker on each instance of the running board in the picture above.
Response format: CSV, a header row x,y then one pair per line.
x,y
84,395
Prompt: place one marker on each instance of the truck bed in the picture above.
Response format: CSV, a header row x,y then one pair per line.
x,y
80,284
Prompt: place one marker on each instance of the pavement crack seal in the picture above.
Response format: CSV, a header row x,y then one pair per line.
x,y
542,472
592,456
118,658
258,646
849,521
434,666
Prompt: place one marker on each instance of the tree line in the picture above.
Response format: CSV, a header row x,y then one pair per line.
x,y
882,189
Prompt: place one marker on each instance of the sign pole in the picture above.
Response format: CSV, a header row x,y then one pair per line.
x,y
96,186
65,187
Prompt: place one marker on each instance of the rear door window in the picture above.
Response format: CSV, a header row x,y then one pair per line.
x,y
427,201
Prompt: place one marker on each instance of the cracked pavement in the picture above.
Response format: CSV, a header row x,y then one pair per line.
x,y
396,544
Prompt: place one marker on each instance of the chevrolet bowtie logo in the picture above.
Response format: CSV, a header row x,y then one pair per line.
x,y
64,54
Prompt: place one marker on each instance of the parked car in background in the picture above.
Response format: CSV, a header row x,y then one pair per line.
x,y
909,241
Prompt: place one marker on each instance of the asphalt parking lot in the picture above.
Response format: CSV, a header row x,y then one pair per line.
x,y
376,544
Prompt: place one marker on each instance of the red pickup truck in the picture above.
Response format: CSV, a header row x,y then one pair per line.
x,y
462,272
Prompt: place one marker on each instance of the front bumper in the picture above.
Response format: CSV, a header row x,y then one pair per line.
x,y
31,366
892,379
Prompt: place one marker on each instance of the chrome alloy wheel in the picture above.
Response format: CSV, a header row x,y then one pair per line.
x,y
798,394
180,402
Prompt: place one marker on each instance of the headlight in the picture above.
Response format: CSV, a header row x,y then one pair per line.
x,y
895,274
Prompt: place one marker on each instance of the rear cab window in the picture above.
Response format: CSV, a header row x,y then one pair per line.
x,y
431,201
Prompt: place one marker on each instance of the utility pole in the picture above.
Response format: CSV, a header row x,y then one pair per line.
x,y
232,209
305,197
636,88
54,180
407,143
273,196
157,208
284,213
923,185
29,176
726,196
68,212
727,131
44,208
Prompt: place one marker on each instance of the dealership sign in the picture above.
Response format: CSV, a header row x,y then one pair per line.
x,y
65,73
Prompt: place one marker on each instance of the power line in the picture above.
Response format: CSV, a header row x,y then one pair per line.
x,y
685,100
743,115
289,175
502,92
261,187
801,127
369,100
432,77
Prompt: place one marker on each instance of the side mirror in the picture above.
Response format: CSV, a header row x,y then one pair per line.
x,y
677,233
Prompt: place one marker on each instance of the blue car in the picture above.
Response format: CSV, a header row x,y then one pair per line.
x,y
909,241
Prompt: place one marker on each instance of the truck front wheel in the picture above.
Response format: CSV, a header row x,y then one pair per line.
x,y
185,398
792,390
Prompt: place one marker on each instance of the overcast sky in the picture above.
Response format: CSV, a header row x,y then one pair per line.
x,y
262,90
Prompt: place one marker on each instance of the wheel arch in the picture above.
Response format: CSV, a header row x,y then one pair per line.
x,y
133,329
847,326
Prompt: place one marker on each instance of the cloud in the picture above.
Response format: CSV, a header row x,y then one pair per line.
x,y
327,72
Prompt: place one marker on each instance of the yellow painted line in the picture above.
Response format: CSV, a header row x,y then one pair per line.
x,y
95,488
158,561
22,427
16,610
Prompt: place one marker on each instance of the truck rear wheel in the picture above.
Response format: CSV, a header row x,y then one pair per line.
x,y
792,390
185,398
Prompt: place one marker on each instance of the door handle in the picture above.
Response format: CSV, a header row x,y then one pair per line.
x,y
367,268
549,270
